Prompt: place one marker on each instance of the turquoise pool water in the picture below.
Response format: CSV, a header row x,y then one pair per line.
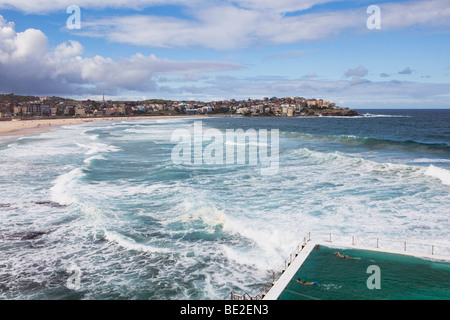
x,y
401,277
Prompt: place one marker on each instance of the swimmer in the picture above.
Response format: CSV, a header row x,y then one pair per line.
x,y
305,283
343,256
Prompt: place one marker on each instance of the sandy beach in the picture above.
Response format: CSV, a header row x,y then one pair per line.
x,y
25,127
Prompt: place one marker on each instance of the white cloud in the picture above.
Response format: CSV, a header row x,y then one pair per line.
x,y
358,72
223,27
407,70
17,47
73,48
281,5
234,24
45,6
28,65
390,93
433,13
217,27
310,75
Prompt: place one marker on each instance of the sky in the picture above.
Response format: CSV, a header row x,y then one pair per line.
x,y
209,50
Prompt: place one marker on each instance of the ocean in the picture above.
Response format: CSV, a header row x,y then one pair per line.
x,y
102,211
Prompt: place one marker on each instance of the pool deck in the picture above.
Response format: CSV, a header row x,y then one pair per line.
x,y
280,285
290,272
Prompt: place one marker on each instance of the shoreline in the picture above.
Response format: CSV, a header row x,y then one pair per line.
x,y
17,127
33,126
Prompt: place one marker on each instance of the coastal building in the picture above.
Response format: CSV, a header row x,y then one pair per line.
x,y
312,103
80,111
320,103
46,111
277,111
191,112
18,110
141,109
34,109
242,110
109,111
290,111
69,111
205,110
286,107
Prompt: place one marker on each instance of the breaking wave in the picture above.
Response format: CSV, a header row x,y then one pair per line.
x,y
374,143
439,173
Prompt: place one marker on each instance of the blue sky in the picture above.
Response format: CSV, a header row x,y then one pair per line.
x,y
214,50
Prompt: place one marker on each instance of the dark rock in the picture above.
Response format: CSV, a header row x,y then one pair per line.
x,y
50,203
24,236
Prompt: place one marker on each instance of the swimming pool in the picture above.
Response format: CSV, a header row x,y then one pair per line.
x,y
400,277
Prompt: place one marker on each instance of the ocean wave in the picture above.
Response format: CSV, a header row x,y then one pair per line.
x,y
199,216
370,115
63,186
439,173
249,143
375,143
130,244
98,148
190,212
89,160
427,160
411,145
361,165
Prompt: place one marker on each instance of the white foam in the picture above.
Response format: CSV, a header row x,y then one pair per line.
x,y
191,212
64,186
250,258
130,244
266,236
439,173
427,160
90,159
209,216
251,143
98,148
369,115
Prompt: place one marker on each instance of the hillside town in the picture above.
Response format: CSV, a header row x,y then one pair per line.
x,y
16,106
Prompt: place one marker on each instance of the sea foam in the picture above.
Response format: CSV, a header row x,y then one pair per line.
x,y
439,173
130,244
63,187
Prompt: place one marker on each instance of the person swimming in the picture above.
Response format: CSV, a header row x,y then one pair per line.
x,y
306,283
343,256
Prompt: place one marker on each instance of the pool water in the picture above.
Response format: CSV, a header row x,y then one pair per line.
x,y
399,277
